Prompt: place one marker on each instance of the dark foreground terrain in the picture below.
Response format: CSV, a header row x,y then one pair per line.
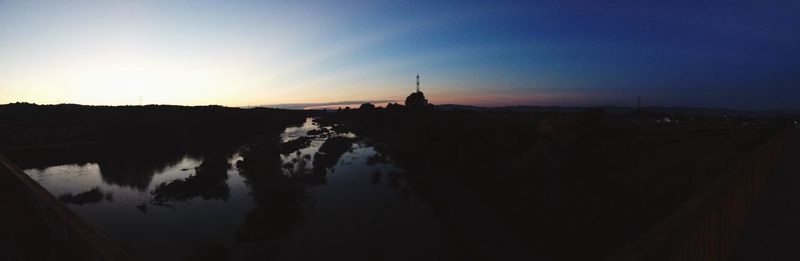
x,y
488,185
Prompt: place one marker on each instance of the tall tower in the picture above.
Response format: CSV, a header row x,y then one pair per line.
x,y
417,82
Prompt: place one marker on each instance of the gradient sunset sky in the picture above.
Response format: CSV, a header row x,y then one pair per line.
x,y
724,54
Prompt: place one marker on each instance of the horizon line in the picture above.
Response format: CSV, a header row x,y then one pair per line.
x,y
322,105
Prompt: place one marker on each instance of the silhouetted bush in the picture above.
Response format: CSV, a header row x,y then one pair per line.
x,y
330,152
208,182
315,132
367,106
91,196
295,145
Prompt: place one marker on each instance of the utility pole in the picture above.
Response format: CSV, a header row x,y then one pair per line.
x,y
638,103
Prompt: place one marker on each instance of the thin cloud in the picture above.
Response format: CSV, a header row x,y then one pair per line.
x,y
302,106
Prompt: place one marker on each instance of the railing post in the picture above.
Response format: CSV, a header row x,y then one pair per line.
x,y
50,230
706,226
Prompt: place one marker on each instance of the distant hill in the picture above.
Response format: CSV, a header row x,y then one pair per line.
x,y
27,124
623,109
319,105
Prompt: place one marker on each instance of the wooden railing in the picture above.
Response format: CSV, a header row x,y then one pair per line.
x,y
41,227
707,226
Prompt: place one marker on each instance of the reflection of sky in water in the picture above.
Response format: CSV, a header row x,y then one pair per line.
x,y
76,178
160,230
356,219
294,132
363,211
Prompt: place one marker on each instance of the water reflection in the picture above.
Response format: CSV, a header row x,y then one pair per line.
x,y
128,166
278,176
313,185
208,182
278,198
330,152
93,195
135,170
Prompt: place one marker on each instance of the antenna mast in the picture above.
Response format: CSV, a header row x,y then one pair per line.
x,y
417,82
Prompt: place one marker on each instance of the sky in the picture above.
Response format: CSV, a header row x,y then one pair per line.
x,y
720,54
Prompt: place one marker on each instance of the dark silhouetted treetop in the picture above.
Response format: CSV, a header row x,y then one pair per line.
x,y
367,106
393,106
416,100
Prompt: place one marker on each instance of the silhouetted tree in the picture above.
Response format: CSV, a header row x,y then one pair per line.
x,y
416,100
393,106
367,106
208,182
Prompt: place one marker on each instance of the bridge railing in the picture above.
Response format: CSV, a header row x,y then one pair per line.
x,y
707,226
41,227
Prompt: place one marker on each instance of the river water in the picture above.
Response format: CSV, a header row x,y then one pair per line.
x,y
356,208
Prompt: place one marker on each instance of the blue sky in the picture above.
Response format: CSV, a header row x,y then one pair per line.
x,y
726,54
